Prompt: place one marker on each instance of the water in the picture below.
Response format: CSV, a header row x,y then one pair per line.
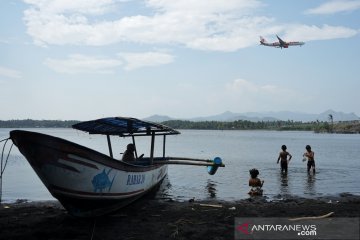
x,y
337,159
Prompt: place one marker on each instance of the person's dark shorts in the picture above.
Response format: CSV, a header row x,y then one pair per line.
x,y
284,166
310,164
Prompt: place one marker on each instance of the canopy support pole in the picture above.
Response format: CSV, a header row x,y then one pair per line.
x,y
133,139
164,142
109,144
152,148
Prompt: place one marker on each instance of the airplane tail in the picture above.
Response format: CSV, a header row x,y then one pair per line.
x,y
262,40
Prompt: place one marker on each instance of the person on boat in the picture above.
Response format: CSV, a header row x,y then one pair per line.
x,y
255,183
129,155
310,155
283,156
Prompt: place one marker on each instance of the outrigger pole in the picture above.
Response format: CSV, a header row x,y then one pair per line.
x,y
212,165
189,159
186,163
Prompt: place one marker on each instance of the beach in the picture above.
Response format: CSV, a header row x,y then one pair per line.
x,y
158,219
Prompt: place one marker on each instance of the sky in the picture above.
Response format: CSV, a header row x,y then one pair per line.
x,y
87,59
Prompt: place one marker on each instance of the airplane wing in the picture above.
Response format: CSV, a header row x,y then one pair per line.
x,y
282,42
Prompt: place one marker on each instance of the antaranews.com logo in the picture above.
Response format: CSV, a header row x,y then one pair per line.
x,y
301,230
283,228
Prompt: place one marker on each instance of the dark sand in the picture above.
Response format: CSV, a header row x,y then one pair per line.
x,y
154,219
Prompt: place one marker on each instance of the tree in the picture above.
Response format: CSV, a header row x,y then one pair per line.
x,y
331,118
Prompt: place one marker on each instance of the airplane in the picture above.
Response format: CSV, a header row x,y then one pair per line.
x,y
280,44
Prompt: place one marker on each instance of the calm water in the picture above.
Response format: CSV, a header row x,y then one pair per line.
x,y
337,159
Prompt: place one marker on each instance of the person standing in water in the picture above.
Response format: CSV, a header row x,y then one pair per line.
x,y
283,156
310,155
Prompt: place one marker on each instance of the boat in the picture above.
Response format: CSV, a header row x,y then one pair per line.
x,y
89,183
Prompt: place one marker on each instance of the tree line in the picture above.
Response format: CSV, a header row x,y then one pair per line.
x,y
29,123
316,126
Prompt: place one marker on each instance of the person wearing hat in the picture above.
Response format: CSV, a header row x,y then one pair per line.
x,y
283,156
310,155
128,155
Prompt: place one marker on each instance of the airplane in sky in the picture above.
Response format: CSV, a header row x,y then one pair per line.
x,y
280,44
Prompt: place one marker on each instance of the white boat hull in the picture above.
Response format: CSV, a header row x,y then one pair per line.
x,y
86,182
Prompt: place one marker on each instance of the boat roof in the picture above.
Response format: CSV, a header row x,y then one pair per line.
x,y
123,126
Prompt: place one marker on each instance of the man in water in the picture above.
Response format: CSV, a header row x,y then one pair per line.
x,y
283,156
310,155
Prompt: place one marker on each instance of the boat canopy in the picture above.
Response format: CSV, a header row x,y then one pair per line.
x,y
122,126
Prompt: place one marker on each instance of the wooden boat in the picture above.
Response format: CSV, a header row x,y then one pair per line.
x,y
90,183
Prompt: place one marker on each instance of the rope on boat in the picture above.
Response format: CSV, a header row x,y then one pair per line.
x,y
93,229
2,165
4,139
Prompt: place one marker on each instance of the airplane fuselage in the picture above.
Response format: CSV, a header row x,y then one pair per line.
x,y
280,44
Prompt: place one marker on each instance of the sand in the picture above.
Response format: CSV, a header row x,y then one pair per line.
x,y
158,219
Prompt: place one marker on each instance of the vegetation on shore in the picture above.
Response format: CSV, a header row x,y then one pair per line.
x,y
29,123
317,126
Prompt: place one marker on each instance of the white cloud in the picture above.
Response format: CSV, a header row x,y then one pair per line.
x,y
247,88
309,33
335,6
146,59
93,7
246,95
211,25
9,73
77,63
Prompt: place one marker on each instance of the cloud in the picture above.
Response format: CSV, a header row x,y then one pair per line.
x,y
246,95
210,25
309,33
335,6
247,88
207,25
146,59
77,63
93,7
9,73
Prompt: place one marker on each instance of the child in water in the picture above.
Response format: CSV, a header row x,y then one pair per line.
x,y
283,156
310,156
255,183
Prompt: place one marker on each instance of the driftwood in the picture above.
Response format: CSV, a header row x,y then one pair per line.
x,y
310,218
210,205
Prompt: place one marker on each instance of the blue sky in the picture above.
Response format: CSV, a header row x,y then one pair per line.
x,y
86,59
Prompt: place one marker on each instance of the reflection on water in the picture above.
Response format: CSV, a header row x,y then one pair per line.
x,y
284,183
211,189
310,183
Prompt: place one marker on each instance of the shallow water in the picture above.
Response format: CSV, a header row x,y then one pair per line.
x,y
337,159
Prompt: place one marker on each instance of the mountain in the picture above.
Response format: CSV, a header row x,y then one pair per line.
x,y
267,116
230,117
157,118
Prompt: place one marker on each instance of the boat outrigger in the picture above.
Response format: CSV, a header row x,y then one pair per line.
x,y
89,183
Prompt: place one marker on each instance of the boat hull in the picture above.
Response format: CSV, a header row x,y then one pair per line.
x,y
86,182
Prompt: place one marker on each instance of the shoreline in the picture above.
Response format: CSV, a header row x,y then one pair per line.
x,y
160,219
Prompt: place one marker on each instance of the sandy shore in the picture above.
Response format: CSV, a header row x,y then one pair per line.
x,y
154,219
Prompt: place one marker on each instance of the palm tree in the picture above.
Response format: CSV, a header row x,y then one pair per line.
x,y
331,118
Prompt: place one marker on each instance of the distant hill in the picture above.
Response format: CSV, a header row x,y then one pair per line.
x,y
266,117
157,118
